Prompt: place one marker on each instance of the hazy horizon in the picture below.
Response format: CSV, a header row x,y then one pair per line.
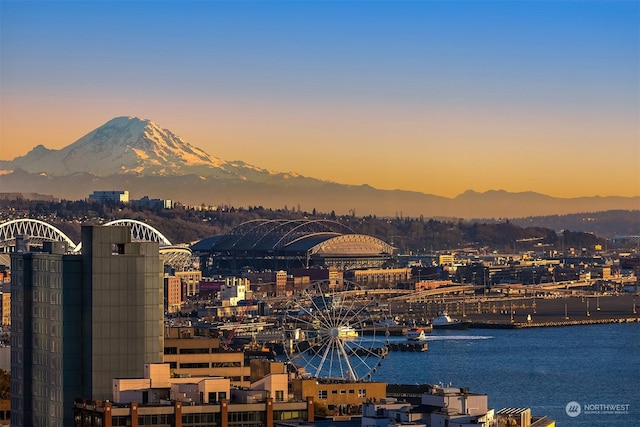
x,y
433,97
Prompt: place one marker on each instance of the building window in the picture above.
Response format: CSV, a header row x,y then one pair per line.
x,y
202,419
153,420
116,421
279,395
194,365
343,391
170,350
226,364
322,394
289,415
194,350
362,392
334,391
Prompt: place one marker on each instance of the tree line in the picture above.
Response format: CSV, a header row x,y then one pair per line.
x,y
183,224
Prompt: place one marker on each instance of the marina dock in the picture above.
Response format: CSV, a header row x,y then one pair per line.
x,y
408,346
394,331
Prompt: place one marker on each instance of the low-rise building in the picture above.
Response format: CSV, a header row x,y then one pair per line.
x,y
148,203
380,277
158,399
521,417
446,259
455,407
188,355
390,412
5,283
5,413
338,396
235,289
190,280
262,414
444,406
172,294
158,387
440,407
119,196
281,283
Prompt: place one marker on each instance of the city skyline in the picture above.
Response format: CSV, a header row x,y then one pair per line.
x,y
435,97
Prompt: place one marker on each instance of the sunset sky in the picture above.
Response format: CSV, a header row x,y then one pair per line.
x,y
430,96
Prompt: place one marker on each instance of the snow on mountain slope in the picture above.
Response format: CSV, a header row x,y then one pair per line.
x,y
129,145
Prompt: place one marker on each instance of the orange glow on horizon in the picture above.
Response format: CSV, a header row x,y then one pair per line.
x,y
386,150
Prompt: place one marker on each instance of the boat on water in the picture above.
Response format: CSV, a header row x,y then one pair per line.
x,y
415,334
443,321
347,332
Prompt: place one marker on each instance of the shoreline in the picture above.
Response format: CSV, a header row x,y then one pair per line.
x,y
520,312
560,323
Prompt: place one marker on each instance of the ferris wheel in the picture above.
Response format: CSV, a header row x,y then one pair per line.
x,y
329,332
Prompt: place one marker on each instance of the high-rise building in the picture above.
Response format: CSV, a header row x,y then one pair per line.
x,y
119,196
37,387
80,320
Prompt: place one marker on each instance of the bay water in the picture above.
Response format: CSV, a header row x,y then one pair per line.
x,y
549,370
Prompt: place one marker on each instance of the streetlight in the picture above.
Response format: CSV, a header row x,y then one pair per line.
x,y
588,314
511,310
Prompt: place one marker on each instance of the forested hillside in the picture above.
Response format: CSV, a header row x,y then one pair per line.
x,y
188,225
603,224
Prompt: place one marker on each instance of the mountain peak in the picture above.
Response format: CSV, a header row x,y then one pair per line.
x,y
128,122
128,145
123,145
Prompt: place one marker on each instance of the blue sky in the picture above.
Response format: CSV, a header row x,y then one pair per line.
x,y
418,95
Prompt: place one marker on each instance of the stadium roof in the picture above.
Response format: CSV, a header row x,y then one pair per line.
x,y
293,236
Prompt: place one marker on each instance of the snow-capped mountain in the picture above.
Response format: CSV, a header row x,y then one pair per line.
x,y
132,146
128,153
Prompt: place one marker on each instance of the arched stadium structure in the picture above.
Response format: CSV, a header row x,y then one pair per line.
x,y
271,245
175,256
36,232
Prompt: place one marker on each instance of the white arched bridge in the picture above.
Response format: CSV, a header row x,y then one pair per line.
x,y
37,232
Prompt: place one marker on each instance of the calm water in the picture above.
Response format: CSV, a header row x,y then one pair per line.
x,y
540,368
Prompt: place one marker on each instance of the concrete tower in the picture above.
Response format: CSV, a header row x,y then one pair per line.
x,y
78,321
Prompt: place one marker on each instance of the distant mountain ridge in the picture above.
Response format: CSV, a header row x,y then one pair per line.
x,y
132,146
139,156
603,224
